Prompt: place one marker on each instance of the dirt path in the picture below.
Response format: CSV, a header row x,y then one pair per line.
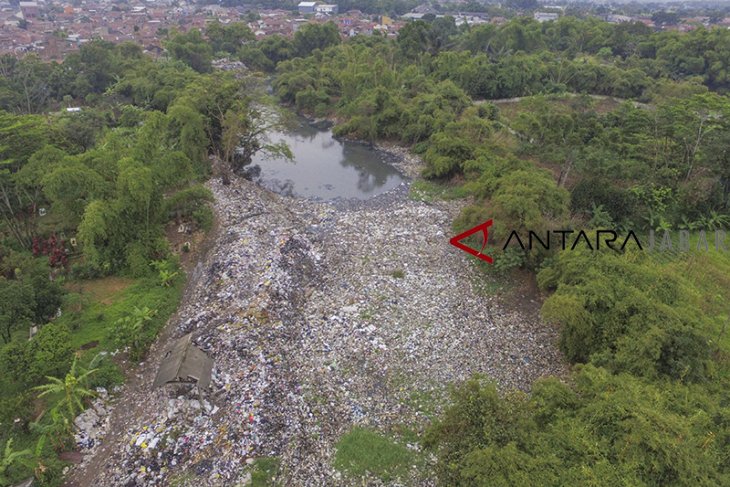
x,y
319,317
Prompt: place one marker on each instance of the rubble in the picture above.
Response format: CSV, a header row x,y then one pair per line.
x,y
312,331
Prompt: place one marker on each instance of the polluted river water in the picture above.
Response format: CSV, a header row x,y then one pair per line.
x,y
324,167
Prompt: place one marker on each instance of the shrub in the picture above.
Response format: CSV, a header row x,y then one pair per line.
x,y
510,258
107,375
627,313
203,218
311,98
138,260
446,154
85,270
13,407
184,203
50,352
166,271
604,430
15,360
136,331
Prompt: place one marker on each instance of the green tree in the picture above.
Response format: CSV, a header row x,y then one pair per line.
x,y
228,38
29,178
77,132
71,390
244,129
315,36
70,187
267,53
190,48
414,39
25,86
20,137
189,124
93,232
16,306
137,198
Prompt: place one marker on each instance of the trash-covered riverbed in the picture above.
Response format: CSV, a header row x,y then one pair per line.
x,y
320,316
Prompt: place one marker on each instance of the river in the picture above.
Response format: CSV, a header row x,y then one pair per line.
x,y
324,167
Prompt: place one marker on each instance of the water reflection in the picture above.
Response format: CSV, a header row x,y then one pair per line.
x,y
324,167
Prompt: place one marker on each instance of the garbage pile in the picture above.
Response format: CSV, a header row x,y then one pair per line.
x,y
320,318
92,423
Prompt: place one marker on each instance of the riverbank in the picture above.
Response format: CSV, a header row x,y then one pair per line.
x,y
321,317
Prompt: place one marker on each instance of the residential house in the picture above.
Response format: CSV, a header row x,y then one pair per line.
x,y
306,7
328,9
545,16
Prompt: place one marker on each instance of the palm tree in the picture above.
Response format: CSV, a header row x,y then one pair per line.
x,y
8,460
72,389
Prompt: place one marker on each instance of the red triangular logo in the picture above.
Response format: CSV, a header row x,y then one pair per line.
x,y
484,228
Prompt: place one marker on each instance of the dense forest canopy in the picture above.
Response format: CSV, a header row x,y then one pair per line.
x,y
616,126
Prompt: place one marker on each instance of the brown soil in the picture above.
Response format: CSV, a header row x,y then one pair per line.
x,y
196,243
525,295
104,290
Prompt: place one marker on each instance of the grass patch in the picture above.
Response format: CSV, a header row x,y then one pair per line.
x,y
398,273
362,451
264,472
429,191
183,479
105,290
92,314
366,315
425,402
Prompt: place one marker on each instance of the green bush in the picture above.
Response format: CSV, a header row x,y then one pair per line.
x,y
13,407
510,258
86,270
309,99
203,218
626,312
488,111
15,360
590,193
184,202
50,353
138,260
469,217
108,374
133,331
446,155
